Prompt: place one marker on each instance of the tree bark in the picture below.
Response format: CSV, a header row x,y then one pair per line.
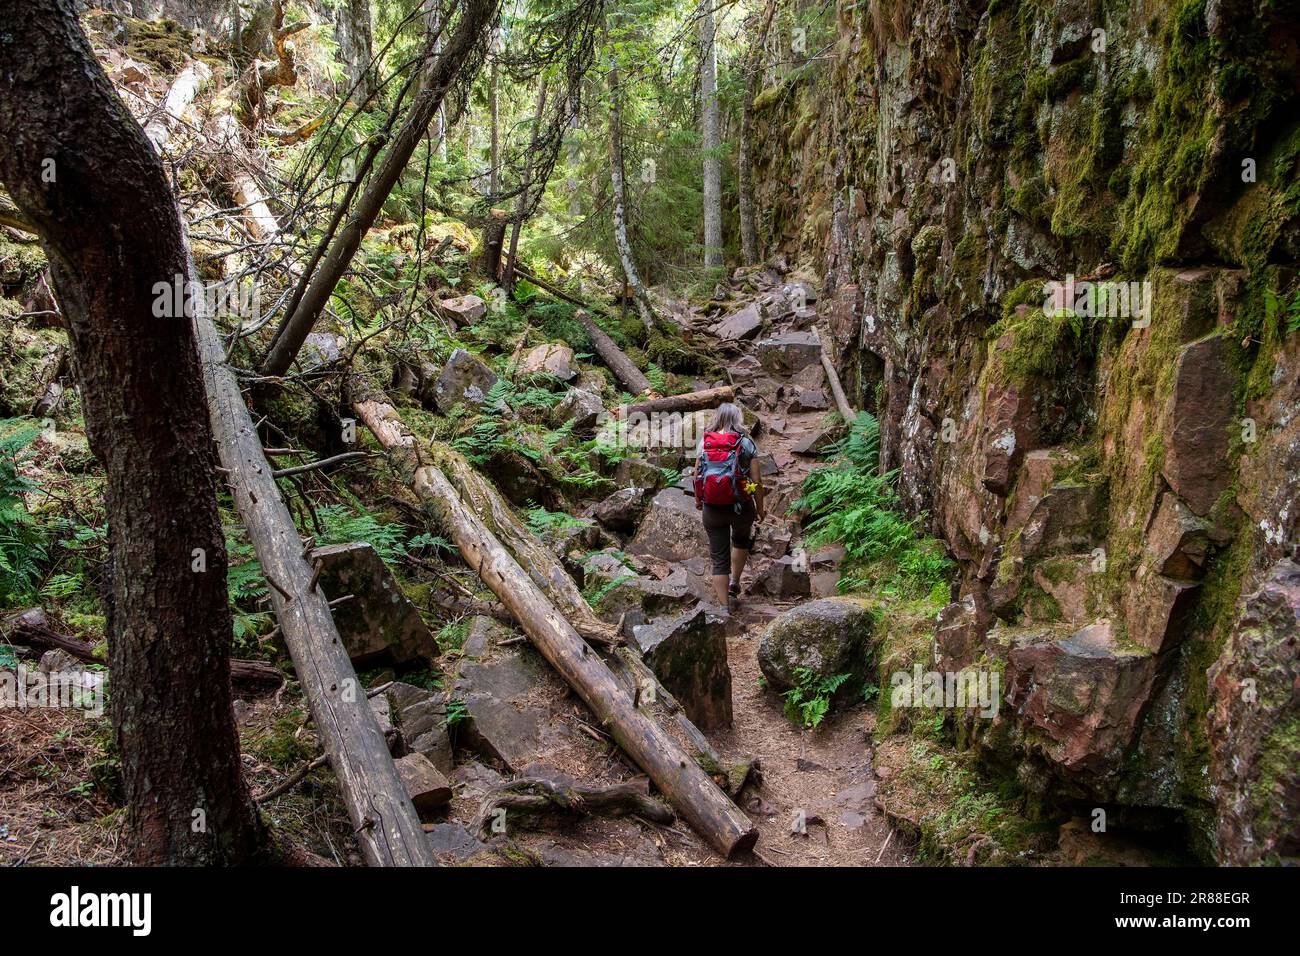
x,y
619,203
386,824
521,207
745,162
494,106
81,169
440,73
712,137
494,240
353,31
689,789
624,369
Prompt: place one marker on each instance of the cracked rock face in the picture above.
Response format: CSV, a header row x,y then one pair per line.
x,y
1138,469
1254,725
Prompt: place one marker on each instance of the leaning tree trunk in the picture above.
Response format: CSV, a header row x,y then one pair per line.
x,y
712,137
440,73
84,173
690,790
619,204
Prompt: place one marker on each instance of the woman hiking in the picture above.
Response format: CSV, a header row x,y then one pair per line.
x,y
730,498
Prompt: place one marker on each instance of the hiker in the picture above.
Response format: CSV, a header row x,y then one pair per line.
x,y
730,498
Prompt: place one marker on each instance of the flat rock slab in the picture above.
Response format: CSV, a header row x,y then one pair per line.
x,y
520,712
379,623
789,353
420,716
452,843
740,325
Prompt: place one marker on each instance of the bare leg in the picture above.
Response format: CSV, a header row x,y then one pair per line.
x,y
720,588
738,558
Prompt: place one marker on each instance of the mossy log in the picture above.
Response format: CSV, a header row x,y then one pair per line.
x,y
694,794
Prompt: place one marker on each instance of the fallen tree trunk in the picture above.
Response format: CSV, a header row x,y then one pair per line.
x,y
837,390
688,402
631,377
386,823
615,358
650,693
542,565
694,794
179,97
245,190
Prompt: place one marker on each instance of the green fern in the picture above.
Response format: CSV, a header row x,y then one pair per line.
x,y
22,539
850,503
808,702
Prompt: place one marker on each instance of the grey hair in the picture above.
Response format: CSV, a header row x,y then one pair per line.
x,y
728,418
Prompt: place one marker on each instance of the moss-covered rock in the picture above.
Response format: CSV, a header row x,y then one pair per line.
x,y
818,641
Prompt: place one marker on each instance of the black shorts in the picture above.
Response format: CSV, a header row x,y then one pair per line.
x,y
727,529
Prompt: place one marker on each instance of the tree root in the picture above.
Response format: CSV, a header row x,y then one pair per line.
x,y
535,794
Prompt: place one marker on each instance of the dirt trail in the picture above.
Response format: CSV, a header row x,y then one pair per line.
x,y
815,806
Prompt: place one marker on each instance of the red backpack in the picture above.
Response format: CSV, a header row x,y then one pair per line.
x,y
718,473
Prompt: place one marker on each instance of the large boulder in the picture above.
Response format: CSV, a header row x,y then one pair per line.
x,y
688,653
463,378
1255,710
420,716
829,637
620,511
809,400
672,529
1080,700
379,623
789,352
551,358
785,579
464,309
580,406
424,783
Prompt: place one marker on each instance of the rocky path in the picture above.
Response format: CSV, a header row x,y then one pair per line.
x,y
815,806
643,558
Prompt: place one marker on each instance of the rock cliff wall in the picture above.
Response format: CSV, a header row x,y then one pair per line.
x,y
1058,240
